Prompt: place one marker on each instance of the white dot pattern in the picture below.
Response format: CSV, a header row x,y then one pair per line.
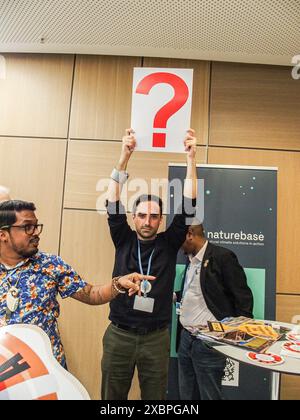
x,y
253,27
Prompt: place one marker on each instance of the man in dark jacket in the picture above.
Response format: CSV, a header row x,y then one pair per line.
x,y
214,287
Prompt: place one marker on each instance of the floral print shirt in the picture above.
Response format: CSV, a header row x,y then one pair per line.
x,y
39,279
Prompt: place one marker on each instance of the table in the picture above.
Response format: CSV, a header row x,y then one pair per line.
x,y
291,365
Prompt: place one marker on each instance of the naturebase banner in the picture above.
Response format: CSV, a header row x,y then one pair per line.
x,y
240,213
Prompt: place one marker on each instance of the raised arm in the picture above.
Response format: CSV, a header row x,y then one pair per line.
x,y
190,183
177,230
98,295
119,175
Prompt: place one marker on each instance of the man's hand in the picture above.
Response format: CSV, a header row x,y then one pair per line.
x,y
190,183
128,145
98,295
133,281
190,143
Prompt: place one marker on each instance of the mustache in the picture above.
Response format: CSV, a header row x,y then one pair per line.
x,y
35,239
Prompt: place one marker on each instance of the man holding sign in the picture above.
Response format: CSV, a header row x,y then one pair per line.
x,y
138,335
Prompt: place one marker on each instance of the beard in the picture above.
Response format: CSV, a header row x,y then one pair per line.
x,y
24,252
147,234
27,254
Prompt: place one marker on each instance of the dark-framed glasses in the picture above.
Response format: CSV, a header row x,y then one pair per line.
x,y
29,229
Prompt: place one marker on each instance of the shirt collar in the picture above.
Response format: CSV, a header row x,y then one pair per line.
x,y
196,259
20,264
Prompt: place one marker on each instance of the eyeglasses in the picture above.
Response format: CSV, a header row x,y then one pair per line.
x,y
29,229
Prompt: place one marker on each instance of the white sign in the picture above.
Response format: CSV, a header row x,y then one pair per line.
x,y
161,108
28,369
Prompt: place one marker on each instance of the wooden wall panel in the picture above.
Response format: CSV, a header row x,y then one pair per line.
x,y
33,169
101,105
254,106
288,307
288,262
91,161
35,96
290,387
87,246
200,101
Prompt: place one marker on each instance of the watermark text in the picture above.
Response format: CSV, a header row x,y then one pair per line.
x,y
171,192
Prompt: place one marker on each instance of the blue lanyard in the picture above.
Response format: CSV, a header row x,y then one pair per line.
x,y
11,272
140,259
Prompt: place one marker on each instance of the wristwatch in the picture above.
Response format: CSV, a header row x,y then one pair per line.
x,y
119,176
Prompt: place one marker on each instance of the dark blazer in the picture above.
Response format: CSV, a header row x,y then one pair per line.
x,y
224,285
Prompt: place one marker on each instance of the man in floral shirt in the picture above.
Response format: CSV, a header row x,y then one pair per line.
x,y
31,280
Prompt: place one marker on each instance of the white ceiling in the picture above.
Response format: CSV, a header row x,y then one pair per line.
x,y
254,31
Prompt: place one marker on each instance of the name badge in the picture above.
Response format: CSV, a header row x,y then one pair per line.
x,y
143,304
178,308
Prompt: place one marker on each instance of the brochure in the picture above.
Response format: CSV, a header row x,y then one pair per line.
x,y
244,332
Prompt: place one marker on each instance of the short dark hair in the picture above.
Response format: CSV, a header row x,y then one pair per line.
x,y
8,210
145,198
197,230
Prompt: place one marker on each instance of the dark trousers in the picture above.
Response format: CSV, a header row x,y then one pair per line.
x,y
123,351
201,369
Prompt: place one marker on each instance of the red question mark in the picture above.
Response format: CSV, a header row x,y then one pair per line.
x,y
180,97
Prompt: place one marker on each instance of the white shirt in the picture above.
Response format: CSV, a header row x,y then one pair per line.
x,y
8,267
194,311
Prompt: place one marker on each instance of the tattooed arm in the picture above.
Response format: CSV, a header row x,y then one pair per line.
x,y
98,295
